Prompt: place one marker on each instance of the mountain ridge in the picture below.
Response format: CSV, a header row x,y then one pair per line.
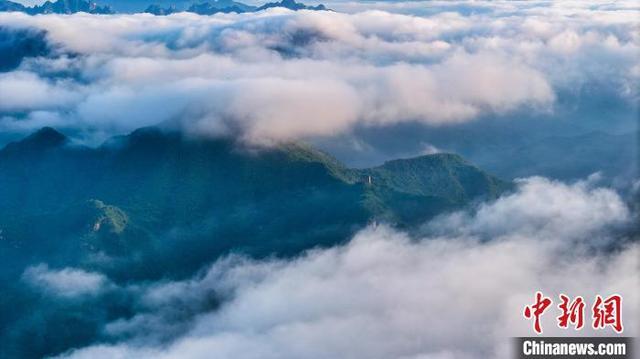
x,y
57,7
48,137
157,205
201,8
189,200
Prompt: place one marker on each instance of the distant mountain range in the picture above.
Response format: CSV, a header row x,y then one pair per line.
x,y
57,7
230,6
611,155
203,8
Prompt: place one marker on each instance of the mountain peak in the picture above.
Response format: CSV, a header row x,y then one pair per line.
x,y
48,133
198,7
156,9
446,175
6,5
68,7
44,138
291,5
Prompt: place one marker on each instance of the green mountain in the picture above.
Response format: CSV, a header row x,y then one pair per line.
x,y
410,191
161,197
159,205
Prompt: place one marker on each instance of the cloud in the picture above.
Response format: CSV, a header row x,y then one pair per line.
x,y
280,75
386,294
542,210
66,282
25,91
456,289
17,44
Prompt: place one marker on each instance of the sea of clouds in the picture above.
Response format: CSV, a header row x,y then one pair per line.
x,y
457,290
282,75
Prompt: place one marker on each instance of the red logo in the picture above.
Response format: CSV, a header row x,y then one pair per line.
x,y
606,312
572,312
536,310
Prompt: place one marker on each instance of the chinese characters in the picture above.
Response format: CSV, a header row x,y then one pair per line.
x,y
605,312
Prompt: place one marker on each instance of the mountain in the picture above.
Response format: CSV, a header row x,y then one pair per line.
x,y
220,6
57,7
158,10
612,155
6,5
228,6
70,7
40,140
405,184
207,8
187,201
291,5
202,8
158,204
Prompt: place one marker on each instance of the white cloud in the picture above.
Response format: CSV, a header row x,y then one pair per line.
x,y
279,75
456,292
386,295
66,282
24,91
542,210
